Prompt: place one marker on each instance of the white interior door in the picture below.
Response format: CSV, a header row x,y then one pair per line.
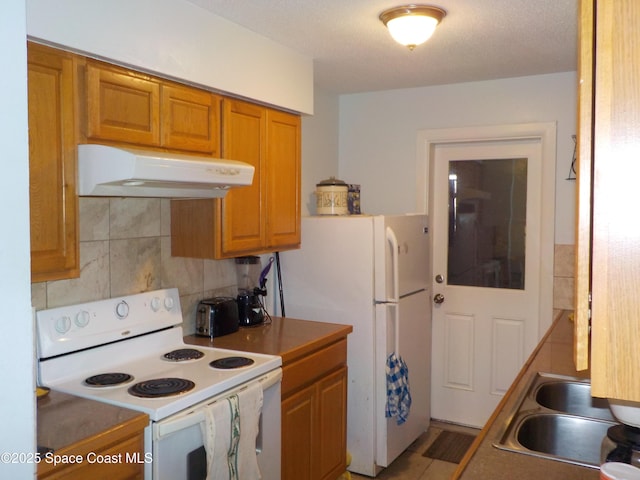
x,y
487,218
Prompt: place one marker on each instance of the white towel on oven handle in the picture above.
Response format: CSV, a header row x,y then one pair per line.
x,y
229,434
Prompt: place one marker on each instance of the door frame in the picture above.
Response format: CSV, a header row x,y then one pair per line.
x,y
429,139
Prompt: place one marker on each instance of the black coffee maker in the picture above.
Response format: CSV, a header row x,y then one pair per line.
x,y
250,292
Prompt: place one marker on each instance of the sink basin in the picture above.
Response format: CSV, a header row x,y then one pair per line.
x,y
556,418
576,439
573,398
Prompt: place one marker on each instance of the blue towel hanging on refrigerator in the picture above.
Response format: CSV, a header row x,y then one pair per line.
x,y
398,393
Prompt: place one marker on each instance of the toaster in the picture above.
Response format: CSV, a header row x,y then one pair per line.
x,y
217,316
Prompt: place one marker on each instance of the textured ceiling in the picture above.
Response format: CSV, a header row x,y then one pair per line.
x,y
353,52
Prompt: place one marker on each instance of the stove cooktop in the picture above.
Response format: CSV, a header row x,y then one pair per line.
x,y
69,373
94,371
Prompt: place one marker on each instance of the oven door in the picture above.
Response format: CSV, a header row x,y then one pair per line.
x,y
178,447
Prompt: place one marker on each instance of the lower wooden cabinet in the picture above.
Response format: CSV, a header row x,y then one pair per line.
x,y
314,415
121,460
299,427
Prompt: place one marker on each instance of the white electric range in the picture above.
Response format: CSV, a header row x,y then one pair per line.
x,y
129,351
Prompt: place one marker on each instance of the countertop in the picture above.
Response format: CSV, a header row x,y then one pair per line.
x,y
66,423
289,338
554,354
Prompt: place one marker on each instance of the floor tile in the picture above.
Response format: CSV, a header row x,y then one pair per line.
x,y
439,470
411,465
408,465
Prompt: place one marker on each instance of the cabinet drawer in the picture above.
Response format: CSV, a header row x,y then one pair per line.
x,y
310,368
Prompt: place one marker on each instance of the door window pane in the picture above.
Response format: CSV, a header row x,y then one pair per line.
x,y
487,222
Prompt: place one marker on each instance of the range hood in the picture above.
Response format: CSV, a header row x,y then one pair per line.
x,y
125,172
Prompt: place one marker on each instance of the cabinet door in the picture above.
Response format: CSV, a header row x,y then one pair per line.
x,y
52,165
122,106
283,180
583,184
299,435
243,211
190,119
615,266
332,417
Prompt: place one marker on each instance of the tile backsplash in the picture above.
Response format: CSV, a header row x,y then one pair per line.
x,y
563,277
125,248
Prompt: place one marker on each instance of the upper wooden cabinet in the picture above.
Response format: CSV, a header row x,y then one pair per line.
x,y
190,120
241,215
282,191
73,99
52,164
608,237
129,107
122,106
263,217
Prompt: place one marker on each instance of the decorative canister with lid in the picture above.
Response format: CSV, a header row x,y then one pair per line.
x,y
331,197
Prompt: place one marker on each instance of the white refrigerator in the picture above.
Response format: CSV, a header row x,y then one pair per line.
x,y
371,272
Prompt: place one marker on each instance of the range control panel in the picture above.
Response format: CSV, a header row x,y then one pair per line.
x,y
75,327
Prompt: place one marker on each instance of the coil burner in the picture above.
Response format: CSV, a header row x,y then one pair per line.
x,y
228,363
161,387
183,354
108,379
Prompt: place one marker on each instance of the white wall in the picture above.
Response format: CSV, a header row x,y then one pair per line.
x,y
17,415
378,133
178,39
319,146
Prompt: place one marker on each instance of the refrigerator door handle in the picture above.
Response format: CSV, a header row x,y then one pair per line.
x,y
396,328
393,244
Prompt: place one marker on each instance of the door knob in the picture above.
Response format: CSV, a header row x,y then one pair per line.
x,y
438,298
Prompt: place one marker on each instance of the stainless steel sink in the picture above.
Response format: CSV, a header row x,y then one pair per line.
x,y
564,436
573,398
556,418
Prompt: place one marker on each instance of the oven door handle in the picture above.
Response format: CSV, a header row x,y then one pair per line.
x,y
195,416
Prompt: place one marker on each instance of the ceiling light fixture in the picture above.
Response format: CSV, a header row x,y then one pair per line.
x,y
411,25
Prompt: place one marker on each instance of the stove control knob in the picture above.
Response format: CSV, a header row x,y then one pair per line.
x,y
168,303
122,310
63,324
155,304
82,319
